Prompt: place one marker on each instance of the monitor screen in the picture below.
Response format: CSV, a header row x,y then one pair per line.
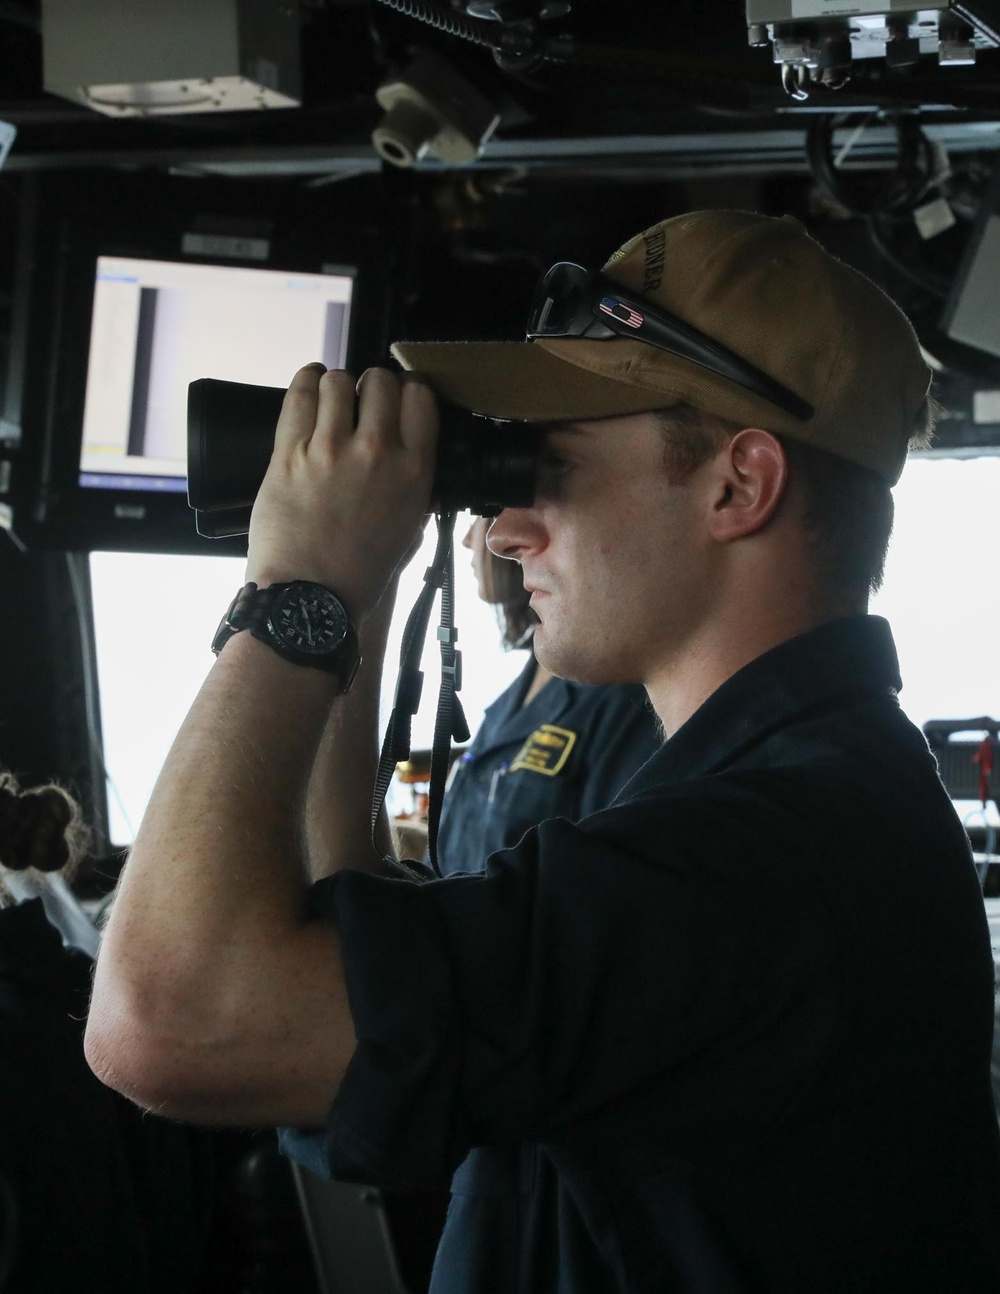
x,y
158,325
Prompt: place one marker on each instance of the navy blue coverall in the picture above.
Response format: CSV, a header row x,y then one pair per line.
x,y
730,1034
565,754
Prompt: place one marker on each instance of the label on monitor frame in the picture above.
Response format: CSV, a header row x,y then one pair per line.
x,y
224,245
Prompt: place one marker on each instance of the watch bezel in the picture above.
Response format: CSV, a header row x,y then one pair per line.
x,y
294,592
253,609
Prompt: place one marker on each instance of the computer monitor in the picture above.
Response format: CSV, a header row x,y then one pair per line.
x,y
123,300
158,325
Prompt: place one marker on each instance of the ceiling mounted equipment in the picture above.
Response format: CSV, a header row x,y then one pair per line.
x,y
136,58
818,42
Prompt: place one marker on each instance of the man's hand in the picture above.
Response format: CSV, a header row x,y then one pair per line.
x,y
348,486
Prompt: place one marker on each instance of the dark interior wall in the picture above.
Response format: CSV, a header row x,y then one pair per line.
x,y
26,702
49,724
49,720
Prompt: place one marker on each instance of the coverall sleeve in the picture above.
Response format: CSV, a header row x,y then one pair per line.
x,y
497,1007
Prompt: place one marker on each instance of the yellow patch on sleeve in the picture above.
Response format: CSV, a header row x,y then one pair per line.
x,y
546,750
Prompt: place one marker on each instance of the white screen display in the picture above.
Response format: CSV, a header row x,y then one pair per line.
x,y
159,325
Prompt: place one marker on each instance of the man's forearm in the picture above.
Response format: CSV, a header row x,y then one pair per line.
x,y
211,902
339,803
216,996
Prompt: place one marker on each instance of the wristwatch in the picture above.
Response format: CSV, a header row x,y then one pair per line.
x,y
303,622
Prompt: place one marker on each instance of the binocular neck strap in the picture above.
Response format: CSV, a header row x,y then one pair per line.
x,y
450,720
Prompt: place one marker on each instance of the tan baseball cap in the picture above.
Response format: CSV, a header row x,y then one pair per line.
x,y
757,284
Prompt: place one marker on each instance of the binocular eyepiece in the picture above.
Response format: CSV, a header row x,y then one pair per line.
x,y
481,465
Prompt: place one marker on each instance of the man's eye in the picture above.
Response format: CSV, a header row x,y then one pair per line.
x,y
552,477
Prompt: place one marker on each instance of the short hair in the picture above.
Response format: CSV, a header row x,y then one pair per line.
x,y
848,508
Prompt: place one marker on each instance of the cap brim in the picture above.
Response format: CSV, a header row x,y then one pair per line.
x,y
523,382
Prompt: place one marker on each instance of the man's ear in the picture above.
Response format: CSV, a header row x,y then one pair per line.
x,y
750,477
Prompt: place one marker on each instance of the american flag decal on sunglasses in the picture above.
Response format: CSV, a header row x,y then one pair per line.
x,y
612,306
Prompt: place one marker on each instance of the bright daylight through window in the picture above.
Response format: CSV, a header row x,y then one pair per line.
x,y
939,597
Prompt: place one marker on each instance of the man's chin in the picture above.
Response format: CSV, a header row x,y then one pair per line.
x,y
572,661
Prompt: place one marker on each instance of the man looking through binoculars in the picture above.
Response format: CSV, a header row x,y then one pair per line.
x,y
732,1033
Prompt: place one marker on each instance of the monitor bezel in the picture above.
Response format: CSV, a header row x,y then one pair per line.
x,y
64,240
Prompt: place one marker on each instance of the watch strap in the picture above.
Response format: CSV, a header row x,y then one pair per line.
x,y
248,610
251,608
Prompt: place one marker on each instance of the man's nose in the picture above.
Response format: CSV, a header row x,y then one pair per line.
x,y
513,532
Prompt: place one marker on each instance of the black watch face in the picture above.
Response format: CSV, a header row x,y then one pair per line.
x,y
308,619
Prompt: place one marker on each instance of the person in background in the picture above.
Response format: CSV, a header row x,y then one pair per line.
x,y
94,1195
547,747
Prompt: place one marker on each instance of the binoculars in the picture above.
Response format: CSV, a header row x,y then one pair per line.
x,y
482,465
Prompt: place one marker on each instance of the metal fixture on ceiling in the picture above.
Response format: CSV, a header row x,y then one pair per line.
x,y
817,42
516,31
174,57
432,109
